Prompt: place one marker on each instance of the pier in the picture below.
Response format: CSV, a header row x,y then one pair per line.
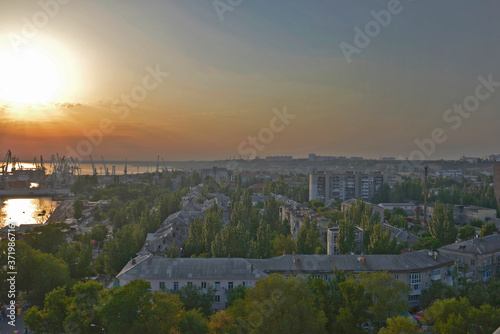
x,y
30,193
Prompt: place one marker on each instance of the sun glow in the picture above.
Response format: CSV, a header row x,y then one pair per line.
x,y
29,76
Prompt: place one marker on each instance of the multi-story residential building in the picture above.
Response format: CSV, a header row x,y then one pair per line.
x,y
218,174
324,186
332,240
452,173
477,259
408,207
496,181
418,269
295,214
167,274
463,214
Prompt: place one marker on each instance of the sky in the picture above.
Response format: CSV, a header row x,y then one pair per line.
x,y
207,80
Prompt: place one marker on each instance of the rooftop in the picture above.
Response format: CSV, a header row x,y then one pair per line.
x,y
484,245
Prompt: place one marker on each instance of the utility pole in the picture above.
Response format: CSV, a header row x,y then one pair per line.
x,y
425,194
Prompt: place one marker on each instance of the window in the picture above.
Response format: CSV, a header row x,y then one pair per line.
x,y
217,286
426,285
396,276
245,284
162,285
176,286
436,272
190,284
230,286
203,285
415,281
487,274
217,299
413,298
472,262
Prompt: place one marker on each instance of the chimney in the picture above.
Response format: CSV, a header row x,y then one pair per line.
x,y
133,262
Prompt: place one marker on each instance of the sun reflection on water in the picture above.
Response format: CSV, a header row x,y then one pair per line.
x,y
25,210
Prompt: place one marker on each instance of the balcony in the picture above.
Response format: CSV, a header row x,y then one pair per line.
x,y
483,268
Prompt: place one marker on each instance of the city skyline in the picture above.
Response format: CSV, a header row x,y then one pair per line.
x,y
193,81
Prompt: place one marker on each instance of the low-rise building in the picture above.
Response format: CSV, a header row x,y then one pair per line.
x,y
167,274
332,240
477,259
418,269
217,173
296,213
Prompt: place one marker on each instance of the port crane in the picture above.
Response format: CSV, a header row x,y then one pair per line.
x,y
125,170
106,170
94,170
156,177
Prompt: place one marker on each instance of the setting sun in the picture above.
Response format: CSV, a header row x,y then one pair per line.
x,y
29,76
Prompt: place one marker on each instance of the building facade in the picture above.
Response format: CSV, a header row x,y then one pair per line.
x,y
418,269
333,236
496,181
325,186
477,259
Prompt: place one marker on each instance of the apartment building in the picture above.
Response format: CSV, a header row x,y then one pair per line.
x,y
333,236
477,259
217,173
419,269
496,181
463,214
325,186
296,213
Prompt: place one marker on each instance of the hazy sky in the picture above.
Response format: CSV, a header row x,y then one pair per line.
x,y
80,60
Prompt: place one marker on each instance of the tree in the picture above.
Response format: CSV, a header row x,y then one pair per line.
x,y
99,233
238,292
279,305
381,242
41,273
442,224
437,290
194,297
164,314
427,243
78,209
125,309
399,221
81,309
193,322
78,256
458,316
355,310
467,232
400,324
221,322
347,236
50,319
389,295
194,243
119,250
46,238
283,244
308,241
399,211
488,229
262,248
